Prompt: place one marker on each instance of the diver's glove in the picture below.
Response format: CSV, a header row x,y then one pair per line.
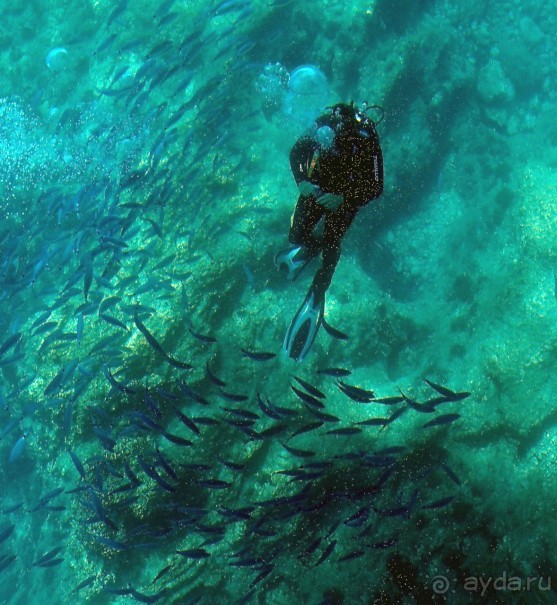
x,y
306,189
330,201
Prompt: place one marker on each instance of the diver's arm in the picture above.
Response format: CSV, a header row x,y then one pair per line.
x,y
306,189
301,158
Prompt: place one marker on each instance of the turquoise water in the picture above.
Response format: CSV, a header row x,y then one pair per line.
x,y
145,188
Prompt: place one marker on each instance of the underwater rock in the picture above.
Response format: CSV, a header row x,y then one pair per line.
x,y
493,85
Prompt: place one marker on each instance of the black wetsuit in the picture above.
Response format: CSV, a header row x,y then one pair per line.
x,y
352,167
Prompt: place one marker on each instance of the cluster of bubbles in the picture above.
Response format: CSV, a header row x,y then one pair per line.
x,y
299,95
25,155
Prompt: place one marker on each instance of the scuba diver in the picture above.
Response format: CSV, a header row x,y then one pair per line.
x,y
338,167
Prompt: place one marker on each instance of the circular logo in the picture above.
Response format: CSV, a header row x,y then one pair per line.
x,y
440,584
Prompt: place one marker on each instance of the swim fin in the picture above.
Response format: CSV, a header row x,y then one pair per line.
x,y
304,327
294,259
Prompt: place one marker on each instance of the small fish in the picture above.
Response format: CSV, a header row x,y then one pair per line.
x,y
176,439
117,385
77,463
310,388
113,321
297,452
106,440
10,426
384,544
346,430
355,393
191,394
390,450
308,399
205,338
10,343
148,336
46,327
447,392
187,422
6,533
377,461
258,355
162,483
242,413
351,555
322,415
282,410
6,561
213,483
374,422
418,407
49,555
51,495
119,592
177,364
237,514
161,573
166,466
263,574
211,376
87,278
334,332
110,543
55,384
169,396
194,553
11,509
326,553
441,503
267,410
87,582
17,449
50,563
398,413
145,598
156,227
250,277
307,427
308,551
451,474
359,517
399,511
79,328
389,400
441,420
232,396
233,466
335,372
229,6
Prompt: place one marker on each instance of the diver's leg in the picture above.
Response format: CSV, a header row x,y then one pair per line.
x,y
305,324
306,216
336,225
307,246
